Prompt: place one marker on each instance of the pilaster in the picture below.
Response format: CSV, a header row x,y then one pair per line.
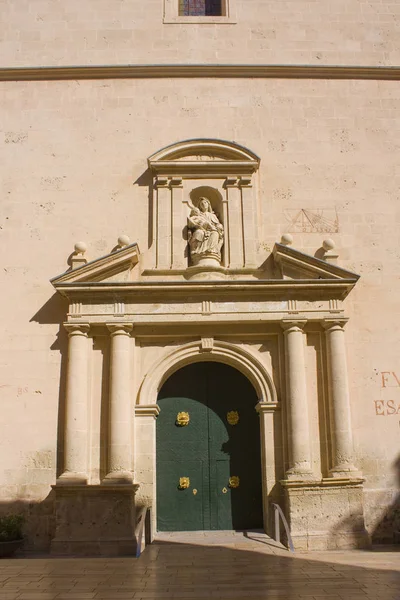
x,y
249,221
163,223
234,243
270,453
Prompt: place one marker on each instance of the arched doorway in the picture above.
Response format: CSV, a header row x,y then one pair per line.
x,y
208,470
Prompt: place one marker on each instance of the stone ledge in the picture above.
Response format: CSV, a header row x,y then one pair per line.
x,y
198,71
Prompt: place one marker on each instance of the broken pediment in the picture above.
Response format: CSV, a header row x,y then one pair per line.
x,y
296,265
115,267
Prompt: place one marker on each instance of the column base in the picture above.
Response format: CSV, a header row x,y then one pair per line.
x,y
327,514
70,478
117,478
95,520
301,474
345,471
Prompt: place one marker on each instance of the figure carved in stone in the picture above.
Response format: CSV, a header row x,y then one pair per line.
x,y
206,233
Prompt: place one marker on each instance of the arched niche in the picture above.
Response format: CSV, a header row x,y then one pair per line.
x,y
227,170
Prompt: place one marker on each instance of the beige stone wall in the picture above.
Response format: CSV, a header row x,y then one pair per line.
x,y
74,159
356,32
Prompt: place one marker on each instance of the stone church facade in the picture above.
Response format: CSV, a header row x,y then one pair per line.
x,y
200,281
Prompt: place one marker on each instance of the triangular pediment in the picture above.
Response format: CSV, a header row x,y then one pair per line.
x,y
116,267
295,265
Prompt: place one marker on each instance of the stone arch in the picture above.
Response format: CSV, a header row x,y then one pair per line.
x,y
223,352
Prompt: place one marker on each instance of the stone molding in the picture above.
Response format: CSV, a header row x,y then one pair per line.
x,y
267,407
50,73
148,410
224,352
325,482
192,159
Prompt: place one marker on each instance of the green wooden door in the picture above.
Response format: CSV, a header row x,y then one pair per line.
x,y
209,451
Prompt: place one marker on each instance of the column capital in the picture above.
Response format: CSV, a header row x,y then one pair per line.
x,y
147,410
334,324
231,181
77,328
267,407
290,325
175,181
246,181
161,181
119,328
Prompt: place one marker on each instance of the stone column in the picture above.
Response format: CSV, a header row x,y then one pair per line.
x,y
297,402
76,407
339,401
119,463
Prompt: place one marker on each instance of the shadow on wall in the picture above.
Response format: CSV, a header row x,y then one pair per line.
x,y
39,521
146,180
54,312
387,530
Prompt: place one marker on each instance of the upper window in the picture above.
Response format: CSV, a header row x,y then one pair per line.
x,y
200,8
199,11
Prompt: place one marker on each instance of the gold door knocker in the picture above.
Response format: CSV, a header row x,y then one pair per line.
x,y
234,481
232,417
184,483
182,419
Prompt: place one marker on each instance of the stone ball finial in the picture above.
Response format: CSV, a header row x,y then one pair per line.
x,y
287,239
123,240
328,245
80,247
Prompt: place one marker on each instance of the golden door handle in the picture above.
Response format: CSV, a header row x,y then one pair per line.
x,y
234,481
182,419
184,483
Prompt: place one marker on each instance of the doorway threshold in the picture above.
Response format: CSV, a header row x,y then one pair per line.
x,y
251,539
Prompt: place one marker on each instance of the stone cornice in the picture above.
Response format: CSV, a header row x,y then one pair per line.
x,y
291,288
48,73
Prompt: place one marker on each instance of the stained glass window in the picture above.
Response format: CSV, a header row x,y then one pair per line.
x,y
200,8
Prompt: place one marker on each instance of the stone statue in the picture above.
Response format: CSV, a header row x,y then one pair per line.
x,y
206,234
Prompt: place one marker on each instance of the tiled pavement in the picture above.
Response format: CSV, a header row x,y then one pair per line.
x,y
199,566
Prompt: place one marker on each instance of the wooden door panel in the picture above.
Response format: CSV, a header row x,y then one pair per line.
x,y
181,509
209,450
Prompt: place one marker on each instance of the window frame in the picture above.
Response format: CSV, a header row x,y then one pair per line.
x,y
172,16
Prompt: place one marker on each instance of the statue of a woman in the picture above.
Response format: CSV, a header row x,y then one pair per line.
x,y
206,234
